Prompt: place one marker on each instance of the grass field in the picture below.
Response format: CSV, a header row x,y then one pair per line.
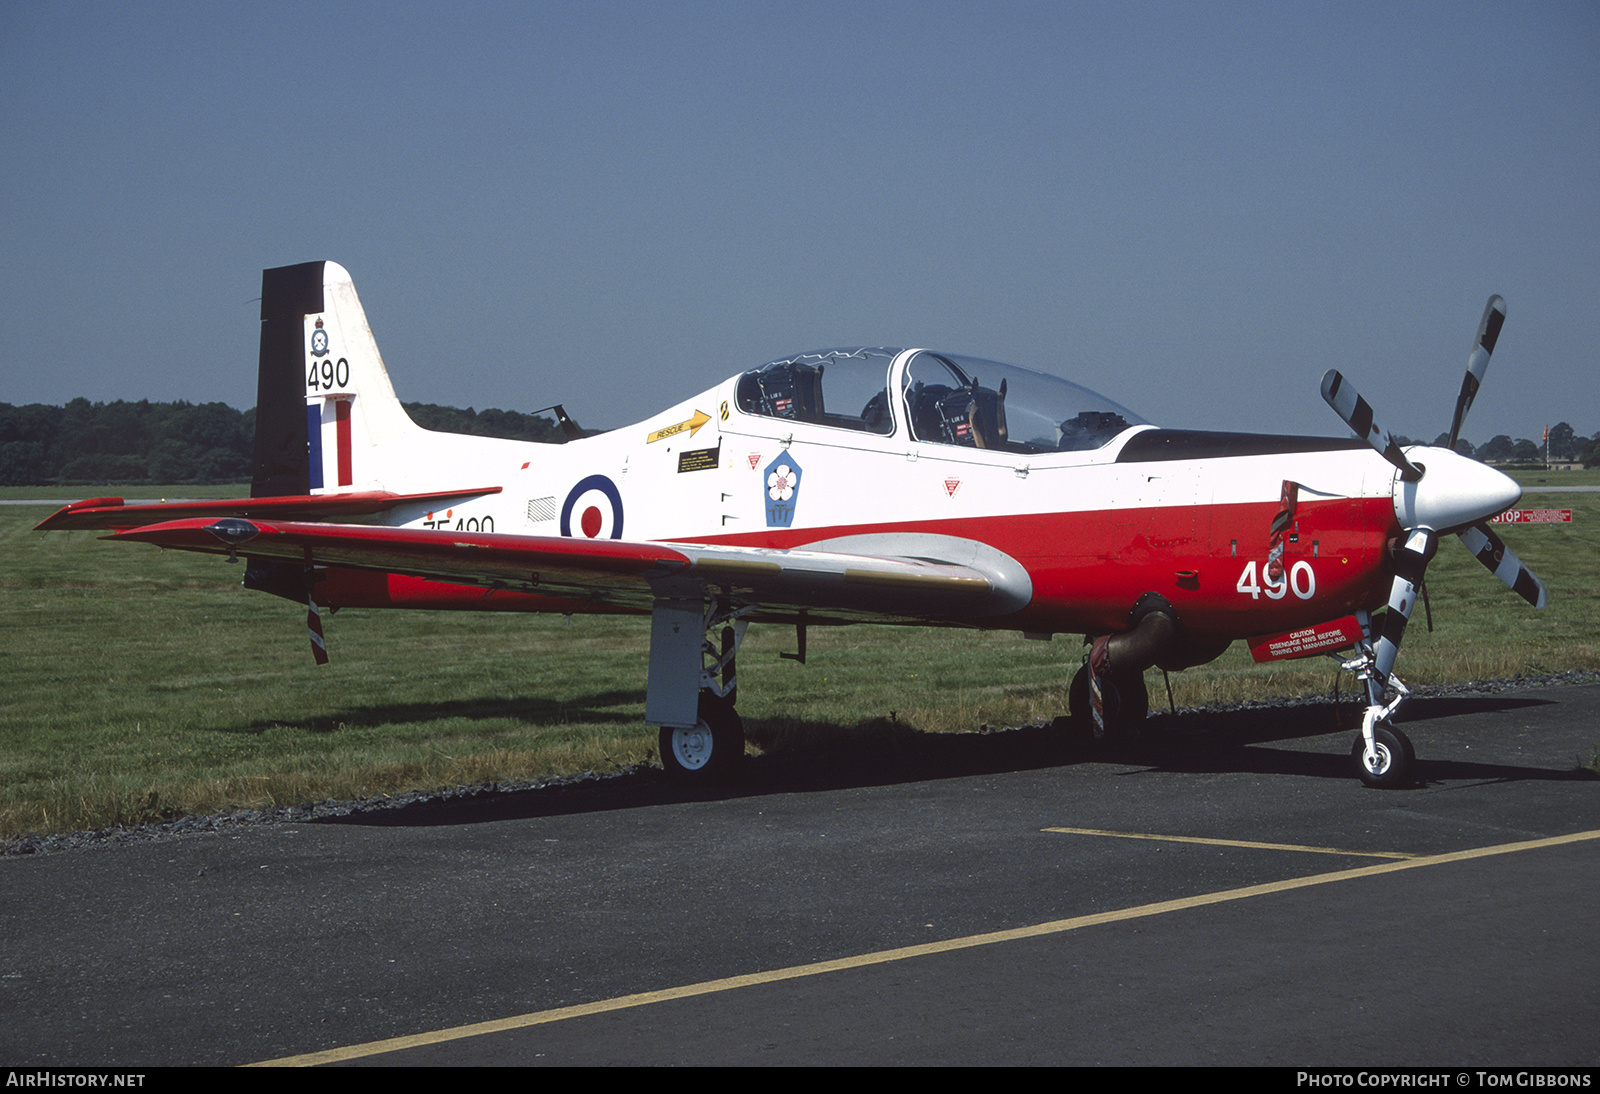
x,y
142,683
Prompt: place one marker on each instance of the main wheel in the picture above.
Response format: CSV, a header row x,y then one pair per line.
x,y
712,751
1392,761
1124,701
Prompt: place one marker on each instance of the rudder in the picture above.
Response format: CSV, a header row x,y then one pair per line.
x,y
324,401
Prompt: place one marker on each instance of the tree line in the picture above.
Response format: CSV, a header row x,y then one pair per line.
x,y
1564,446
86,443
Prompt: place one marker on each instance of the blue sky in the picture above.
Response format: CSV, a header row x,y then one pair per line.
x,y
1193,208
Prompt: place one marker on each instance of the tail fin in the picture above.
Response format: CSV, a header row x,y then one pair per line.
x,y
324,402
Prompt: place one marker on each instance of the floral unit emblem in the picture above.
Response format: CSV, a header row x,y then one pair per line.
x,y
782,478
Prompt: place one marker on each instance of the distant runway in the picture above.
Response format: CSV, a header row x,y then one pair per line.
x,y
1233,897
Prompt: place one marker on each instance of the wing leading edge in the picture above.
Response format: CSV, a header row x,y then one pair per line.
x,y
857,587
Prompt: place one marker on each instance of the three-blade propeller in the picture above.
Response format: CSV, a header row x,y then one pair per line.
x,y
1439,491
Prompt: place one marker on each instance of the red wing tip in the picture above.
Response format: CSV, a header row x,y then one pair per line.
x,y
62,518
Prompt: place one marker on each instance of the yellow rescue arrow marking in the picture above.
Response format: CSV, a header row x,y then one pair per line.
x,y
692,425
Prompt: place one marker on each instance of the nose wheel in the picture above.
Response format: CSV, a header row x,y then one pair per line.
x,y
1389,762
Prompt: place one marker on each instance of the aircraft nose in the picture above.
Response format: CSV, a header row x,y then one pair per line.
x,y
1453,493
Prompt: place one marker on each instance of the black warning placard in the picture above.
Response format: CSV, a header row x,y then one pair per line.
x,y
699,459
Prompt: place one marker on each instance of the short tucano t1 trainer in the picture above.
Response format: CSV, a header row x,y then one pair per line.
x,y
904,486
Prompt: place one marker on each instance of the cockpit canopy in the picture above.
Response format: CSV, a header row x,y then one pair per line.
x,y
844,388
942,398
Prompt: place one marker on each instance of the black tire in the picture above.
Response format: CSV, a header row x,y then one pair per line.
x,y
1395,761
712,751
1124,699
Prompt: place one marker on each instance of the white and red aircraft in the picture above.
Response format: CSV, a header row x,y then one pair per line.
x,y
847,485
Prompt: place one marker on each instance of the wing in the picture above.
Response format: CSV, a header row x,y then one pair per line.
x,y
833,584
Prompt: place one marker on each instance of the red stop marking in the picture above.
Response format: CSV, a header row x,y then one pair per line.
x,y
591,522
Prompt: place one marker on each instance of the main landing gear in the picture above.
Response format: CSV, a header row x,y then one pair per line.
x,y
1108,700
692,676
1124,705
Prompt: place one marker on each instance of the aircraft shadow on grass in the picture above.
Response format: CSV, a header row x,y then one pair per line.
x,y
618,707
816,756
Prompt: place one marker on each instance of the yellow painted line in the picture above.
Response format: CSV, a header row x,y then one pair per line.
x,y
1233,843
796,972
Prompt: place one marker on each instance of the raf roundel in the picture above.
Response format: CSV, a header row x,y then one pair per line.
x,y
593,510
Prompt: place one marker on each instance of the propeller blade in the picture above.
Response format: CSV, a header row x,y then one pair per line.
x,y
1347,402
1411,562
1491,550
1494,317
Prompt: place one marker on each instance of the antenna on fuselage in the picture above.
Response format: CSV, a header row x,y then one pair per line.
x,y
569,428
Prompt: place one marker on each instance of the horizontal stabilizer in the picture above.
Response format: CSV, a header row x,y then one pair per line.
x,y
113,514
